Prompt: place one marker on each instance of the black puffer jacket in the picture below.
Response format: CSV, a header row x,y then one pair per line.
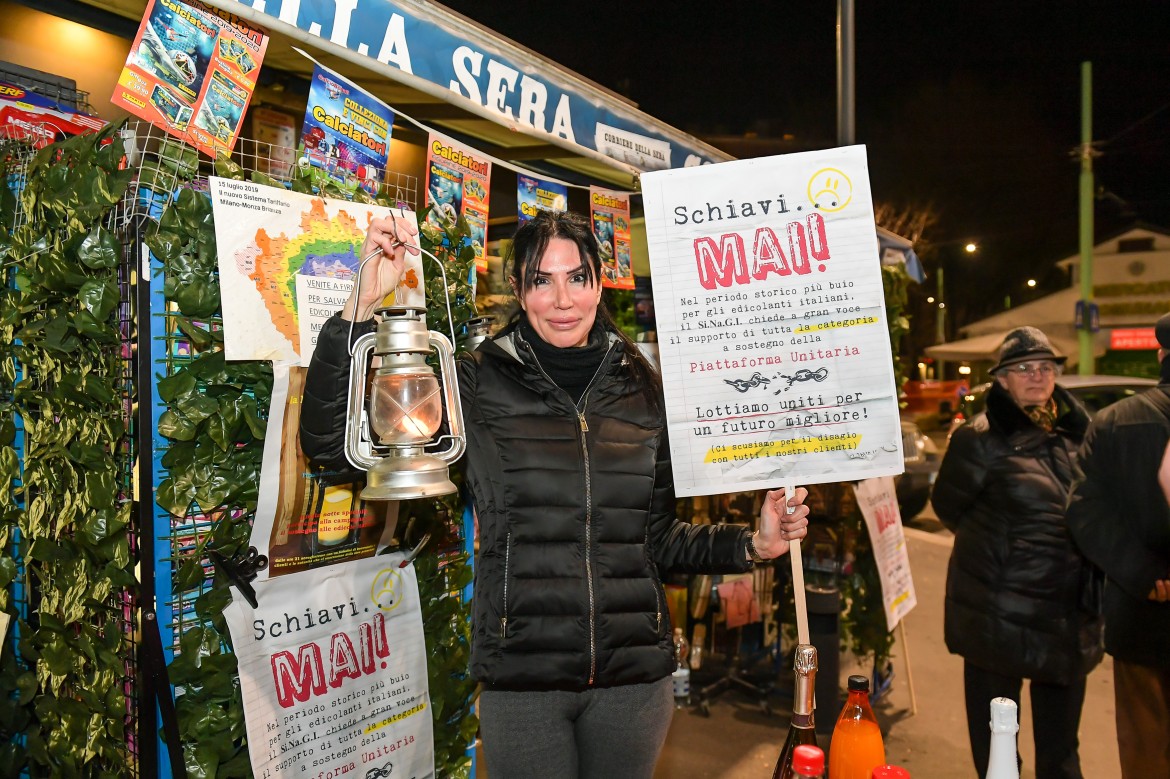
x,y
1118,515
576,516
1020,599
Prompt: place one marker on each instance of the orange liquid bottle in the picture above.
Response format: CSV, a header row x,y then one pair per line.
x,y
856,748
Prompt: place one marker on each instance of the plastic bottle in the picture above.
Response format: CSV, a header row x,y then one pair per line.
x,y
802,728
890,772
1001,760
808,762
856,748
681,677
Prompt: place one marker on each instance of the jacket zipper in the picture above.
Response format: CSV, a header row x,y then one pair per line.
x,y
507,565
655,584
584,403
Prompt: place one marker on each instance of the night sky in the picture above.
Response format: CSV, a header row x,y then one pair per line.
x,y
971,108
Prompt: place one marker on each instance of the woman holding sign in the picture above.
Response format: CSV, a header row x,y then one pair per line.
x,y
568,468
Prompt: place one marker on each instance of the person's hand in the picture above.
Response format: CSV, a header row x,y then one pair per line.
x,y
1161,591
777,527
394,236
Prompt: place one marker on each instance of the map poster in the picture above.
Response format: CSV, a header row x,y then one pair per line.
x,y
457,186
609,213
533,195
307,517
192,73
287,262
879,506
333,673
771,322
346,134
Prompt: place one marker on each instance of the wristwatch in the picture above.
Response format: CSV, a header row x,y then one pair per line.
x,y
753,555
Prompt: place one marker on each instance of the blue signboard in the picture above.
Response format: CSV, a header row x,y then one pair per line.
x,y
523,90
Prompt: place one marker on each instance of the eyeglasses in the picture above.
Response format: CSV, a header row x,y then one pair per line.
x,y
1034,369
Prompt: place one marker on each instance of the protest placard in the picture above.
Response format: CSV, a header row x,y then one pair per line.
x,y
333,673
879,505
775,352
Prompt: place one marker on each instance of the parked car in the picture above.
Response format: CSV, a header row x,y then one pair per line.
x,y
1095,392
922,459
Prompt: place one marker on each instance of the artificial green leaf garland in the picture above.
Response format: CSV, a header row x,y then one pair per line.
x,y
64,705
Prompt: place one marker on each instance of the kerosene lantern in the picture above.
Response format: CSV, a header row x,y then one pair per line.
x,y
387,432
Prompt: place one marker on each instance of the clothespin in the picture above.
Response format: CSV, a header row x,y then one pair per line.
x,y
241,570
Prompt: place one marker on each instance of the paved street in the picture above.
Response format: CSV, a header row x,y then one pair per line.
x,y
740,742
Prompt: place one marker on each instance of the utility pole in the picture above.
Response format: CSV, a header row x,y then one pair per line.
x,y
940,320
846,121
1086,365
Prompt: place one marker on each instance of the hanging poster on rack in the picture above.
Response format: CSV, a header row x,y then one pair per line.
x,y
457,186
276,134
333,673
534,195
346,134
771,323
287,262
191,72
25,114
609,212
307,517
878,501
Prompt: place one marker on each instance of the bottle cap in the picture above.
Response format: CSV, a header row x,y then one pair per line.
x,y
858,683
808,760
1003,716
890,772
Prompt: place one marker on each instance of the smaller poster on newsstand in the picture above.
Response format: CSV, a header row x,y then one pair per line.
x,y
25,114
534,195
457,186
610,214
191,73
346,135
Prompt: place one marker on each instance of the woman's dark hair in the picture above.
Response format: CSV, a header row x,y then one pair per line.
x,y
523,262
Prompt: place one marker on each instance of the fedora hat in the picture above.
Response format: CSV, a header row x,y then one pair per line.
x,y
1024,344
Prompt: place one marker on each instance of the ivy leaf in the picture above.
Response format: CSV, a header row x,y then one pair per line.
x,y
57,655
175,496
171,424
175,386
99,297
166,245
200,338
226,167
100,249
190,575
58,336
197,297
101,487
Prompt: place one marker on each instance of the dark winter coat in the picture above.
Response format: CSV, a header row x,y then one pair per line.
x,y
1119,518
1020,600
575,510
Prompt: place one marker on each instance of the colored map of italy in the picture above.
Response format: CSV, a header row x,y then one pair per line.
x,y
324,247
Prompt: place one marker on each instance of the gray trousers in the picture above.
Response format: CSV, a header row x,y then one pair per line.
x,y
596,734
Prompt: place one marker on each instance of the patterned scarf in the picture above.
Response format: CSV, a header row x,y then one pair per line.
x,y
1043,416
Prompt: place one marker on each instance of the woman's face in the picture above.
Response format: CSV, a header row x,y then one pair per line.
x,y
560,302
1030,383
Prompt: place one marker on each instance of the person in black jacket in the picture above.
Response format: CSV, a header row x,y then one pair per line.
x,y
568,470
1021,601
1120,519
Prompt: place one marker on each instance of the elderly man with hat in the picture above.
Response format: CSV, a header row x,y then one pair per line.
x,y
1021,602
1120,518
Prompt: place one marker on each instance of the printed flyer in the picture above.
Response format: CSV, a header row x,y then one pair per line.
x,y
533,195
275,133
879,506
287,262
457,186
771,322
307,517
192,73
346,134
333,673
609,213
